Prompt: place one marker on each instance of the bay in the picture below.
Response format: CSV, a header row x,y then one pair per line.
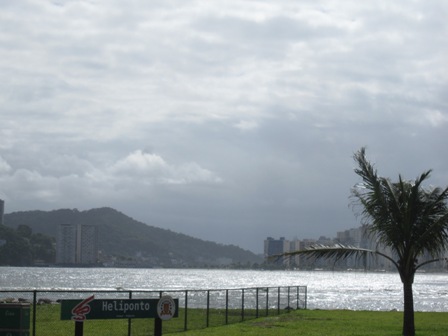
x,y
380,291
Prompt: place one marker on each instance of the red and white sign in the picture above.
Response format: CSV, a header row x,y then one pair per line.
x,y
166,308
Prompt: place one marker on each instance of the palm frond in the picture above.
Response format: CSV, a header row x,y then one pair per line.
x,y
380,201
335,252
431,261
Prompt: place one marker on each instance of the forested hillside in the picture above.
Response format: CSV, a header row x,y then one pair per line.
x,y
22,247
124,240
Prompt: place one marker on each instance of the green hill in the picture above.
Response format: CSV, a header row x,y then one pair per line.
x,y
128,242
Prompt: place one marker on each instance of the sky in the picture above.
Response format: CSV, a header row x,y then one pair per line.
x,y
229,121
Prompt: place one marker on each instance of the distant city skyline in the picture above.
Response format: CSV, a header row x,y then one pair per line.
x,y
356,237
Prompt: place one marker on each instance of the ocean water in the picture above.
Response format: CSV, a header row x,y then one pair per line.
x,y
326,289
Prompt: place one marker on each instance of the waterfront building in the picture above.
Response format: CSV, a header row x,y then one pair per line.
x,y
87,250
352,237
66,244
295,245
274,247
77,244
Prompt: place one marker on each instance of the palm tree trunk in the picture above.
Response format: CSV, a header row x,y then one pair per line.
x,y
408,316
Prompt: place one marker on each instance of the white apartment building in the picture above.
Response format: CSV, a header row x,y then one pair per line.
x,y
77,244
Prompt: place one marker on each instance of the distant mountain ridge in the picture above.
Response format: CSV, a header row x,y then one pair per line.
x,y
124,240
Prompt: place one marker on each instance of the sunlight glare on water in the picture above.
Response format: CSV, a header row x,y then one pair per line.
x,y
326,290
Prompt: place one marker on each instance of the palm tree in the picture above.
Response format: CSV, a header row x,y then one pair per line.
x,y
405,217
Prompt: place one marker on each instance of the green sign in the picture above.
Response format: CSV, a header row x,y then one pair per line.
x,y
14,316
91,309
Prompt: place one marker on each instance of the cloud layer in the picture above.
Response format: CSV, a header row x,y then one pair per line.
x,y
228,121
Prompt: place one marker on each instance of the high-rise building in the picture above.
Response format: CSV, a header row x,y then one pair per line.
x,y
66,244
275,247
2,210
77,244
352,237
87,244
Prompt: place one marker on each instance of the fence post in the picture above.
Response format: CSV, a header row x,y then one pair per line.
x,y
208,308
267,301
227,306
186,310
34,311
298,297
256,303
129,320
278,302
306,296
289,298
242,305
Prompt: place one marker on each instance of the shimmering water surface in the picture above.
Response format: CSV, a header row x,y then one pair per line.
x,y
326,290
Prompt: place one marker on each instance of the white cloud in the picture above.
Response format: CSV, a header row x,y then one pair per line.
x,y
4,166
26,185
67,180
153,169
247,125
139,163
436,118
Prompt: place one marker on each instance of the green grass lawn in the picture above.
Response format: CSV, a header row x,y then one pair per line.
x,y
335,322
299,322
48,322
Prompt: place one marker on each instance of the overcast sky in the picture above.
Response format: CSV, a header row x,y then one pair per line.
x,y
229,120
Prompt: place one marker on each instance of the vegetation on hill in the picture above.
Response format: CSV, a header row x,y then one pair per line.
x,y
127,242
22,247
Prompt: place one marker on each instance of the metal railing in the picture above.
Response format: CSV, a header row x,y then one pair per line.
x,y
198,309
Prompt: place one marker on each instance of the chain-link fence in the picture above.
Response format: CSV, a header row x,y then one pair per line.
x,y
198,309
